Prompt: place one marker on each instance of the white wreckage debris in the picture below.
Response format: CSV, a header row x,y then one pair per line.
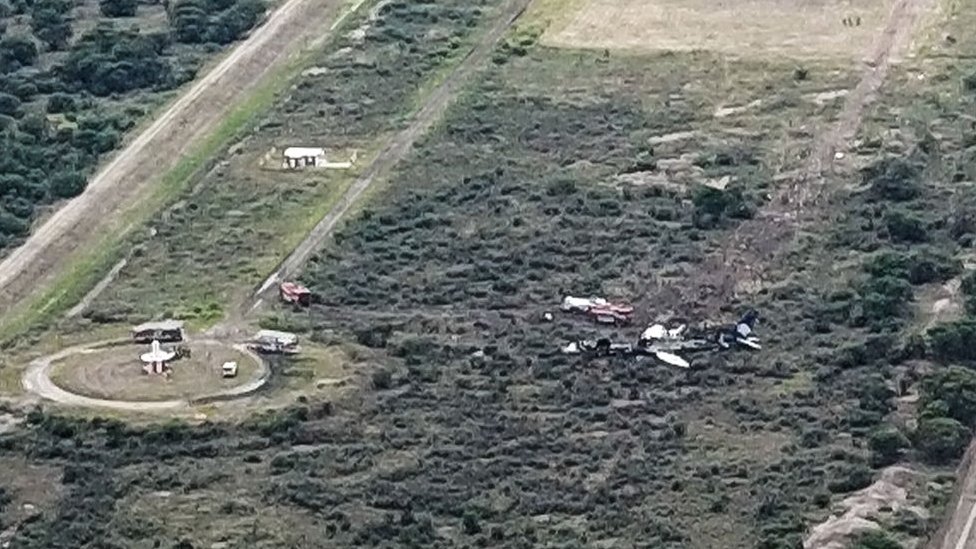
x,y
741,333
599,309
662,342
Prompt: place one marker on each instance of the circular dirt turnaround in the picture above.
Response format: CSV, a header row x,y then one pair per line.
x,y
110,375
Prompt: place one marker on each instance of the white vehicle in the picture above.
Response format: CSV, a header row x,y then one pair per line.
x,y
229,369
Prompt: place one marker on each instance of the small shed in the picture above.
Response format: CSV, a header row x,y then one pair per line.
x,y
161,330
296,158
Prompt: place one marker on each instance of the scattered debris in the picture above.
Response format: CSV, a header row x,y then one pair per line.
x,y
661,342
824,97
718,184
671,137
740,333
722,112
599,309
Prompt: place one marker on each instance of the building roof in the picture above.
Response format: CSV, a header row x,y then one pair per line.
x,y
164,325
285,338
303,152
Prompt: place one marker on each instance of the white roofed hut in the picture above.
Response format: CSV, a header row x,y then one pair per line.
x,y
296,158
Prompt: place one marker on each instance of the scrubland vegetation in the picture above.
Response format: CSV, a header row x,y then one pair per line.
x,y
562,172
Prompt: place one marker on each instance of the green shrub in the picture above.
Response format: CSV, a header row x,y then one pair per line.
x,y
886,444
713,205
920,266
118,8
905,227
953,340
969,289
892,179
955,389
16,52
875,540
941,440
50,23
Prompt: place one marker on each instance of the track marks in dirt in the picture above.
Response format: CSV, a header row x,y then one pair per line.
x,y
756,246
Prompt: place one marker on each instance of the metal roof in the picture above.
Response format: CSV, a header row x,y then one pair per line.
x,y
282,337
302,152
165,325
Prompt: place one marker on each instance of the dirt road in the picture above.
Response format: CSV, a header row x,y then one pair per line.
x,y
37,381
397,147
959,530
758,243
123,182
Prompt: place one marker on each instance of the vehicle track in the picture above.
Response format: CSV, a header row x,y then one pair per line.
x,y
395,149
757,244
37,381
126,180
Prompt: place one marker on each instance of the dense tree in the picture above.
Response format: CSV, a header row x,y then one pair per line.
x,y
956,388
905,227
893,178
9,104
219,21
941,440
16,52
953,340
969,289
67,184
235,21
50,22
107,60
118,8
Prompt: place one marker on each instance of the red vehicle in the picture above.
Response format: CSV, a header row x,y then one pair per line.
x,y
293,292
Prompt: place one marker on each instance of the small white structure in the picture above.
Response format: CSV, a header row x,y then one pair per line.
x,y
229,369
296,158
155,360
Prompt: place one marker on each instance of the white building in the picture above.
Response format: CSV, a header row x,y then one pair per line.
x,y
296,158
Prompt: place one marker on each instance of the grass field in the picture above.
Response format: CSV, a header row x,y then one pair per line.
x,y
743,28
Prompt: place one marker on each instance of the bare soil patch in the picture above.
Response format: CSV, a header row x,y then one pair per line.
x,y
819,29
116,373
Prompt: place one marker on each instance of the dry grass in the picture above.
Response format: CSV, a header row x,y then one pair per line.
x,y
740,27
116,373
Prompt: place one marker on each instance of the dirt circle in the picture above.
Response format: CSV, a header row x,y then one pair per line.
x,y
116,373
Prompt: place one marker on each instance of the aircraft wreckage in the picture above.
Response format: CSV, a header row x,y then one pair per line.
x,y
663,343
